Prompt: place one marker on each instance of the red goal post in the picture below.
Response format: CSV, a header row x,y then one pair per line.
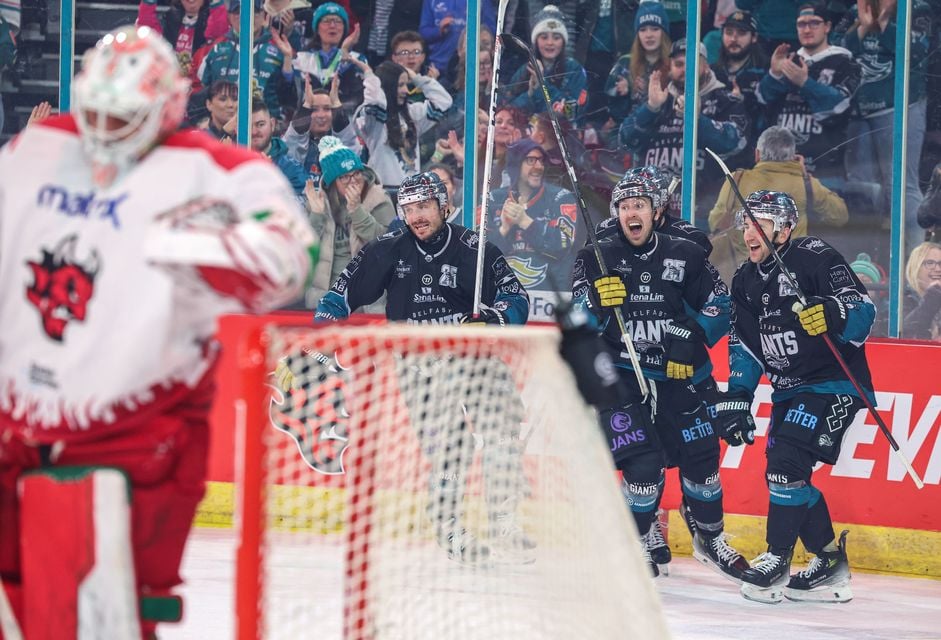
x,y
438,482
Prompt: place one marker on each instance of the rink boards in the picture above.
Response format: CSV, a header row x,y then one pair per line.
x,y
895,527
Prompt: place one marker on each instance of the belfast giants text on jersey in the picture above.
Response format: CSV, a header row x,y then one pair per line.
x,y
427,283
667,280
767,336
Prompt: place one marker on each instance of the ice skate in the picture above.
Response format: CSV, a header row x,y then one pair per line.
x,y
463,546
717,553
826,578
645,553
767,578
511,545
657,547
688,517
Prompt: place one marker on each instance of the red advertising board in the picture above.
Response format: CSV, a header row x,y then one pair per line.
x,y
868,484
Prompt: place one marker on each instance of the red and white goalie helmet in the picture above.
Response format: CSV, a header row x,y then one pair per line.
x,y
129,93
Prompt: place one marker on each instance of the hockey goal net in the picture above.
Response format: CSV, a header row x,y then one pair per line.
x,y
428,483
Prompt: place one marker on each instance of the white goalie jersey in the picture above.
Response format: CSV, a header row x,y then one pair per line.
x,y
110,295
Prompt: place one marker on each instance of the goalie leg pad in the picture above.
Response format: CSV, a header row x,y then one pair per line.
x,y
76,555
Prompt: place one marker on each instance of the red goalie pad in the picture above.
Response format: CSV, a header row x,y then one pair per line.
x,y
78,570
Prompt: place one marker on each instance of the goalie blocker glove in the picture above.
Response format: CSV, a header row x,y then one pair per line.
x,y
679,347
733,418
822,315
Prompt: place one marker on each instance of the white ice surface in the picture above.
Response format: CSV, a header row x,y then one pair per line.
x,y
698,604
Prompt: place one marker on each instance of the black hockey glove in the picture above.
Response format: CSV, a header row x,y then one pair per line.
x,y
733,419
608,291
679,347
588,358
822,315
486,316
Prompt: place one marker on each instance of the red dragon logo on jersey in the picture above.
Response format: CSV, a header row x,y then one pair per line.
x,y
62,286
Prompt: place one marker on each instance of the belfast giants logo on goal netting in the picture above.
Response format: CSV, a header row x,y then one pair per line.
x,y
313,411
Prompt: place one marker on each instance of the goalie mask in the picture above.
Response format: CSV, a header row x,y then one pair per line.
x,y
776,206
421,187
128,95
635,187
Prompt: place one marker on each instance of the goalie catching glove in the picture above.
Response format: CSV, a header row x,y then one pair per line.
x,y
821,315
609,291
679,347
733,419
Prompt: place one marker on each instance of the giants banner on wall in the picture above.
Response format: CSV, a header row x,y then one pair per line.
x,y
868,484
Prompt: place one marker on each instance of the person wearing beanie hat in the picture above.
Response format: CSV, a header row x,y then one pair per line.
x,y
651,13
329,9
348,209
629,78
565,78
336,160
332,42
549,20
742,62
534,223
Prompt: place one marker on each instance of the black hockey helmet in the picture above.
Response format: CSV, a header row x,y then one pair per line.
x,y
776,206
421,187
635,187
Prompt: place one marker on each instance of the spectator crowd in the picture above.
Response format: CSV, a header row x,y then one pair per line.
x,y
351,97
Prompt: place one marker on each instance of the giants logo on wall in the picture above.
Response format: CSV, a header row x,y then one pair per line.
x,y
62,286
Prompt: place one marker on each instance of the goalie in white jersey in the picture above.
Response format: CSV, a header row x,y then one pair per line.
x,y
121,242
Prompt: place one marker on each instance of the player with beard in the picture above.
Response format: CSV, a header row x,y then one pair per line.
x,y
741,66
813,402
674,305
427,269
664,221
534,223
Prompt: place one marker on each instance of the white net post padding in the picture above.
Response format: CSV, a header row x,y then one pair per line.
x,y
431,483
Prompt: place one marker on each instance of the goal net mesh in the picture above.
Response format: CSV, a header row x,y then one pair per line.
x,y
429,483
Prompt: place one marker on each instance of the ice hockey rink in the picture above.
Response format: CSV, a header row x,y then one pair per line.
x,y
698,604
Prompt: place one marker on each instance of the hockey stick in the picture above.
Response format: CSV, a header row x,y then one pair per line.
x,y
488,158
802,302
570,169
